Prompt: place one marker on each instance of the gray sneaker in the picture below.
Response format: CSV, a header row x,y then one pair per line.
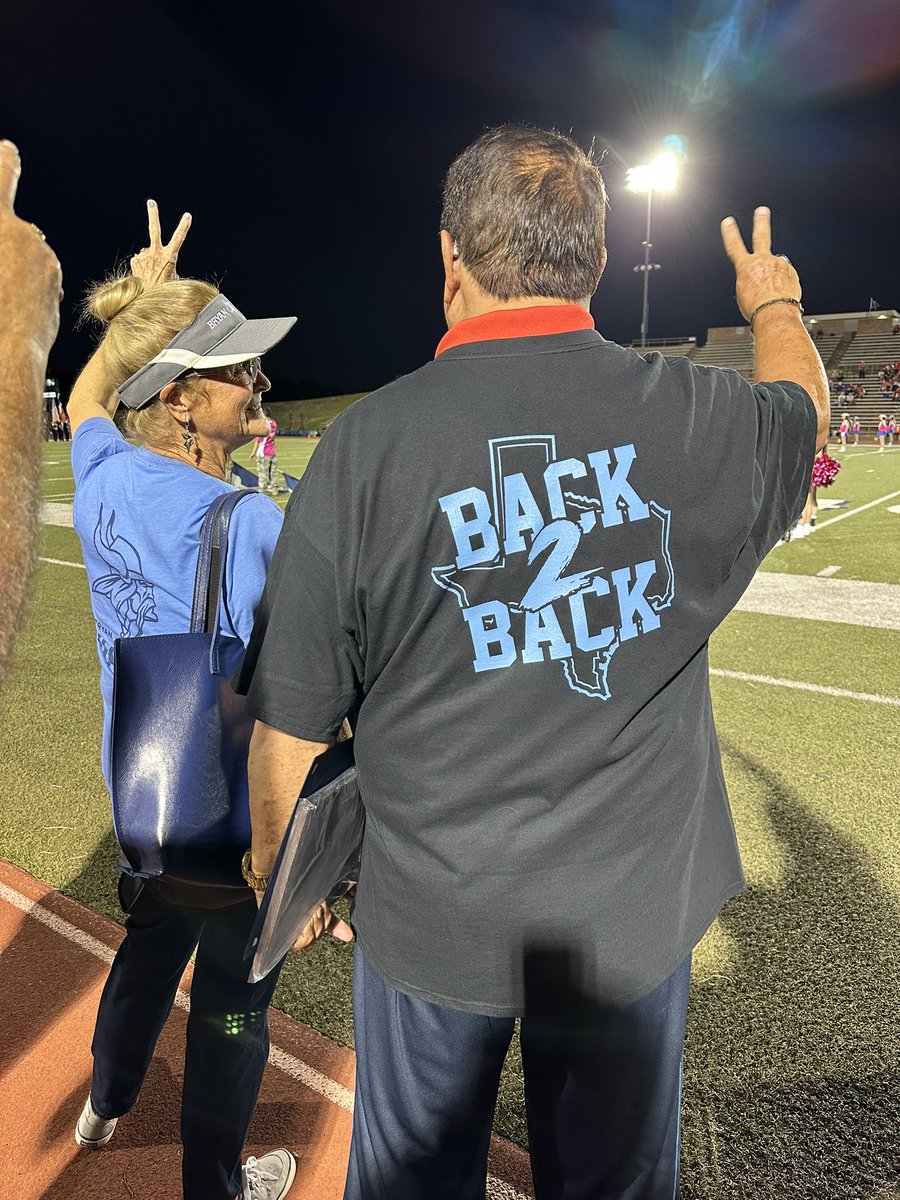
x,y
92,1130
269,1177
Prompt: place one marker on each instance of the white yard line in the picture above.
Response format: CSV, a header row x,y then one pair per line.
x,y
826,571
62,562
299,1071
799,686
854,511
811,598
57,510
842,456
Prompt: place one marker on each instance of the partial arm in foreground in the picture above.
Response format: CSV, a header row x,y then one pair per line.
x,y
30,292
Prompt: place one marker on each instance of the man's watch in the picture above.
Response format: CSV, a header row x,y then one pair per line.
x,y
259,883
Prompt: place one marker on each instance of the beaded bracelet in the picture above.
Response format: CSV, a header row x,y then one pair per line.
x,y
777,300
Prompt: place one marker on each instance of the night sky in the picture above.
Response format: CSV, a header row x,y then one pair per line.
x,y
310,140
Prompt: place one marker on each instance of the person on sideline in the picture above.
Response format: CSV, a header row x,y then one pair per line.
x,y
30,292
140,572
267,457
516,579
881,433
844,429
854,430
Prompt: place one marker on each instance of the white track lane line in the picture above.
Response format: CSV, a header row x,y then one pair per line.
x,y
797,684
62,562
302,1072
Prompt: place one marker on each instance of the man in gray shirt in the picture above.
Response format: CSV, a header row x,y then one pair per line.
x,y
510,562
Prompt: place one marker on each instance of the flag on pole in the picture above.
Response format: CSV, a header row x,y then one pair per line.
x,y
873,305
242,477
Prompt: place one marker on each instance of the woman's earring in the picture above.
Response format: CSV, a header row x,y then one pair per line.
x,y
187,439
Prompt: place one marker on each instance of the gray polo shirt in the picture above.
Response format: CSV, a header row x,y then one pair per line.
x,y
511,561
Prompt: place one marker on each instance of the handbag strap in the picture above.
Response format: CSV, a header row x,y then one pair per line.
x,y
210,575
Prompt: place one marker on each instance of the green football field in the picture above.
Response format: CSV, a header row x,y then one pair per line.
x,y
792,1086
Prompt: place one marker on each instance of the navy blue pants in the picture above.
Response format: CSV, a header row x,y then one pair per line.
x,y
602,1094
227,1033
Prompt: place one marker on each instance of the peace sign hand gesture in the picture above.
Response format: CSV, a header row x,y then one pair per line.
x,y
760,275
156,263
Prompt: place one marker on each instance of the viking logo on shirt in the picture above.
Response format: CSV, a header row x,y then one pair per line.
x,y
130,593
547,548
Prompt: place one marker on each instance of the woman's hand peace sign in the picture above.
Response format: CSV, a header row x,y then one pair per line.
x,y
157,262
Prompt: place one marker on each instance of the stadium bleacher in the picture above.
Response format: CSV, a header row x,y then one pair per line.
x,y
844,340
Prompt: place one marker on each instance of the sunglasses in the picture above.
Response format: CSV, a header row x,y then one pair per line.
x,y
235,373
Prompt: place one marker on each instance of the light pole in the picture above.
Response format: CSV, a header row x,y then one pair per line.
x,y
660,175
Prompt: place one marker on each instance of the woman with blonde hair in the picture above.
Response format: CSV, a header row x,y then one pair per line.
x,y
186,364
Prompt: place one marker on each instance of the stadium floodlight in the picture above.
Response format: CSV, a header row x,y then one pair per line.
x,y
660,175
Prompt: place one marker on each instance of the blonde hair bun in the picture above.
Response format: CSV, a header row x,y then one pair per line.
x,y
113,296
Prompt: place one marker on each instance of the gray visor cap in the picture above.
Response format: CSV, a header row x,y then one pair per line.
x,y
219,336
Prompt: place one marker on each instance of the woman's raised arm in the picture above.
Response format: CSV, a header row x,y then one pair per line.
x,y
94,394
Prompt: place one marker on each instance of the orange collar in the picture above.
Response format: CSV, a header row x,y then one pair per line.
x,y
538,320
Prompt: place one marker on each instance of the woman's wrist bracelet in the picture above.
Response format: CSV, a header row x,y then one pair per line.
x,y
777,300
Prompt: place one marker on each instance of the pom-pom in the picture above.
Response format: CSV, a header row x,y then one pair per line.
x,y
825,469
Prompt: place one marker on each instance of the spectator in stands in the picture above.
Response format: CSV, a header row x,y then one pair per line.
x,y
30,291
138,512
548,834
863,367
844,429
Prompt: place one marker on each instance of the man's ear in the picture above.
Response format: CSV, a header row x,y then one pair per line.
x,y
602,260
451,260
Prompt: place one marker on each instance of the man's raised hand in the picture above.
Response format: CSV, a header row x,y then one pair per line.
x,y
157,263
760,275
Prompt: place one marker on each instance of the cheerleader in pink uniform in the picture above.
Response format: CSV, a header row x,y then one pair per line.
x,y
824,472
854,429
882,432
891,429
844,429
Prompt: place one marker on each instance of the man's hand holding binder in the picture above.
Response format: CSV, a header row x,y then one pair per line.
x,y
277,768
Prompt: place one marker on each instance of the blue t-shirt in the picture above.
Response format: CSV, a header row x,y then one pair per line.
x,y
138,515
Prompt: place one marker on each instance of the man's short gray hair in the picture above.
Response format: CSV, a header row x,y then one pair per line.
x,y
526,210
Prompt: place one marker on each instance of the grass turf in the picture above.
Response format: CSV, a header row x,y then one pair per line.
x,y
791,1085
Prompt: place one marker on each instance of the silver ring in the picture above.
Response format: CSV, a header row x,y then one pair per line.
x,y
786,259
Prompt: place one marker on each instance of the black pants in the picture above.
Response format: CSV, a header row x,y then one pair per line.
x,y
227,1033
602,1095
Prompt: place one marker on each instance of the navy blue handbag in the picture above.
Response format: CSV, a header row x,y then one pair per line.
x,y
179,738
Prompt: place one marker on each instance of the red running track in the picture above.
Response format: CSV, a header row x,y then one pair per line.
x,y
54,955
